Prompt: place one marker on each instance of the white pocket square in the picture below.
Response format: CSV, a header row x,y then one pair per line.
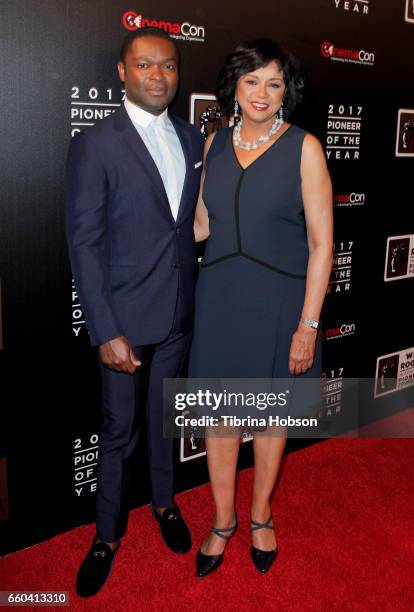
x,y
198,164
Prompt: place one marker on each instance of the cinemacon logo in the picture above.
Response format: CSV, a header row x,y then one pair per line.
x,y
132,20
346,329
329,51
347,199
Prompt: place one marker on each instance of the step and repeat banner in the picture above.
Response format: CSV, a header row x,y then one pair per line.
x,y
59,77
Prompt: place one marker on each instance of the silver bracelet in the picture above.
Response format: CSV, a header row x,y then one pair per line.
x,y
310,323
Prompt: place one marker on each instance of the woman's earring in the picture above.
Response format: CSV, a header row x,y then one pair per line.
x,y
280,113
236,110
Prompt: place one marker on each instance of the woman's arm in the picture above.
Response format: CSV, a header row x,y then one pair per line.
x,y
317,204
201,227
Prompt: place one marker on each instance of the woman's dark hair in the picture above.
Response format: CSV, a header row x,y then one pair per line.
x,y
252,54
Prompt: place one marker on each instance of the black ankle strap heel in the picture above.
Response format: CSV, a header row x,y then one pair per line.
x,y
219,531
257,526
262,559
208,563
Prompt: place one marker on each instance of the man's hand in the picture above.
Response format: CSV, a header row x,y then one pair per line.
x,y
118,355
302,350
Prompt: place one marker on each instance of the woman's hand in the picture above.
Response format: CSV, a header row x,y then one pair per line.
x,y
302,349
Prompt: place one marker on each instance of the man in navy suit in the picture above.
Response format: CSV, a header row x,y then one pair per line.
x,y
132,187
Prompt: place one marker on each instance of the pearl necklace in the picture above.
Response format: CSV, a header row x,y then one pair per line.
x,y
255,144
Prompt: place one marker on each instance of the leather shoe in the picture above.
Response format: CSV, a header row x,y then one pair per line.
x,y
262,559
95,569
174,531
205,564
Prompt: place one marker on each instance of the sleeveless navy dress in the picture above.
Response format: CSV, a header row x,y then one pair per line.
x,y
251,285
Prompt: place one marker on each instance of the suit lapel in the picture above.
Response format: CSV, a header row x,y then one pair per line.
x,y
124,124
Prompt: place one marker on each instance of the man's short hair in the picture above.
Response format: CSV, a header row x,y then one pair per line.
x,y
140,33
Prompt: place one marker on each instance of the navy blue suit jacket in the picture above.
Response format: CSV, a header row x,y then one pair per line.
x,y
128,254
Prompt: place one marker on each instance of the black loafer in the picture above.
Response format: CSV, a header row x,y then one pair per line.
x,y
94,570
174,531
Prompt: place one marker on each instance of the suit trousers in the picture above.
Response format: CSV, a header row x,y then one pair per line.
x,y
127,399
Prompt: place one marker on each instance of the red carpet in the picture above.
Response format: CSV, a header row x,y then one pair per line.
x,y
344,517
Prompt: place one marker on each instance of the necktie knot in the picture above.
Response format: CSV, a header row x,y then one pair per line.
x,y
159,122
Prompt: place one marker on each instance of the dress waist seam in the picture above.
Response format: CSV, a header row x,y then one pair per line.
x,y
254,259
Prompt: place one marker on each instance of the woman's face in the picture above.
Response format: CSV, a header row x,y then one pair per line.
x,y
260,93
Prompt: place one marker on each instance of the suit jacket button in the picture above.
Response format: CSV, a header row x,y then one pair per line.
x,y
177,231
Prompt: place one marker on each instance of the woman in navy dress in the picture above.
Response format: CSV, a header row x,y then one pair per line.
x,y
265,208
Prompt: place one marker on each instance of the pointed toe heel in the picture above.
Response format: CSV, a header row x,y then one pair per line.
x,y
205,564
262,559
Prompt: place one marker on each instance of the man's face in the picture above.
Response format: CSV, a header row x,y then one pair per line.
x,y
150,73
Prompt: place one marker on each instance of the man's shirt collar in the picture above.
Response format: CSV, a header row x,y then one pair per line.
x,y
142,117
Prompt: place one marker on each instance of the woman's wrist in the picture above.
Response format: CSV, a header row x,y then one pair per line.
x,y
311,324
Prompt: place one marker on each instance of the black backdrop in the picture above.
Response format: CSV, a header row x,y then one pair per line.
x,y
59,75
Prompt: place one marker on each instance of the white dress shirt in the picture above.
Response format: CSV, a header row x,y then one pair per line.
x,y
162,142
